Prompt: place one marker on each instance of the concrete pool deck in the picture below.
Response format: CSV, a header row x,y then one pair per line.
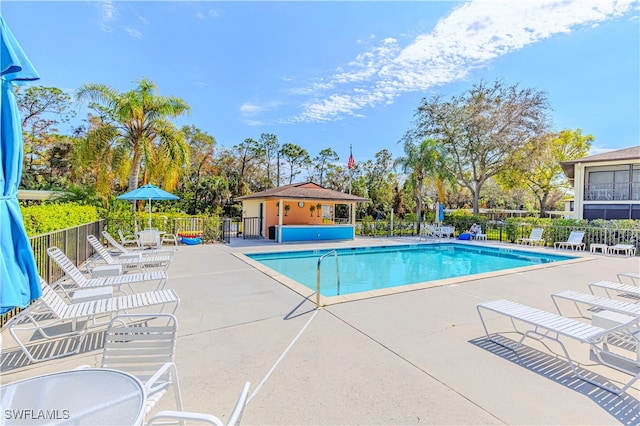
x,y
417,357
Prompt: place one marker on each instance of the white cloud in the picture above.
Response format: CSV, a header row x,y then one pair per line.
x,y
108,13
133,32
473,35
249,108
208,14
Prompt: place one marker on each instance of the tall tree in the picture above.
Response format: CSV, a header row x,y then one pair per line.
x,y
269,146
41,109
481,128
537,166
376,183
322,161
296,158
139,122
201,147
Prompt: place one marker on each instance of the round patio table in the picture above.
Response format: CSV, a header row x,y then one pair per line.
x,y
90,396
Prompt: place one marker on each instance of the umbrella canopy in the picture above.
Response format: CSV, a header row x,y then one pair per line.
x,y
19,280
148,192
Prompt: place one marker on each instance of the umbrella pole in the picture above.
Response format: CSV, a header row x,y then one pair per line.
x,y
149,213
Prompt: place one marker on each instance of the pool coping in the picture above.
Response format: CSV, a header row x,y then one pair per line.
x,y
334,300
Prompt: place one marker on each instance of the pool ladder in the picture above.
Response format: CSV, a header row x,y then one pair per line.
x,y
335,254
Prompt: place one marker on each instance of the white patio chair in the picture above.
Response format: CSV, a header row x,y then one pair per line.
x,y
541,325
50,313
448,231
80,281
144,345
574,242
144,252
130,262
234,418
535,237
149,238
128,239
170,238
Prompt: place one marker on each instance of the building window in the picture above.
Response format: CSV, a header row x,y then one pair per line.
x,y
610,185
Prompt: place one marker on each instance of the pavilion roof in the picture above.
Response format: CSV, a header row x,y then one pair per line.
x,y
303,191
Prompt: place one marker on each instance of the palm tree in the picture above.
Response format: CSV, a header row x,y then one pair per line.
x,y
137,123
422,162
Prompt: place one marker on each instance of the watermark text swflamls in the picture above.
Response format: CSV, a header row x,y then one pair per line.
x,y
31,414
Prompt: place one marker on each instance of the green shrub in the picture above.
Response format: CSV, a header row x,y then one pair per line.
x,y
45,217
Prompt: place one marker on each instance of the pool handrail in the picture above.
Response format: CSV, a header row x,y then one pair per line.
x,y
335,253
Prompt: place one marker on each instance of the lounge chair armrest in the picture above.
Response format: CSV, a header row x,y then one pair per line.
x,y
150,384
184,415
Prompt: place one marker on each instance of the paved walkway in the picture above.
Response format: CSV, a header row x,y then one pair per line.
x,y
416,357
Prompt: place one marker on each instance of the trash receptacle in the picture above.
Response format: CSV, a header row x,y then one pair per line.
x,y
272,232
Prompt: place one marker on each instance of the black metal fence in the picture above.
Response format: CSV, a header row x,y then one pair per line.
x,y
252,227
72,241
498,231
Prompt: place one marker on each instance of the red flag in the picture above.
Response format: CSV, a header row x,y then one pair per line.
x,y
352,163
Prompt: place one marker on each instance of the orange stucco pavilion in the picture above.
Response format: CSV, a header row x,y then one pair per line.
x,y
300,212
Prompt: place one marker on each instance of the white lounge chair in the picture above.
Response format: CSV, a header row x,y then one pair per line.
x,y
479,235
574,242
623,290
634,277
144,252
546,325
535,238
128,239
144,345
591,300
51,310
118,281
134,261
625,249
234,418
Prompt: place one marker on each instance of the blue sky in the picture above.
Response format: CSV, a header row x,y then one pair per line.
x,y
331,74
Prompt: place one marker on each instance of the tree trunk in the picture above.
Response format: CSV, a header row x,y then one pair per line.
x,y
419,205
134,175
543,205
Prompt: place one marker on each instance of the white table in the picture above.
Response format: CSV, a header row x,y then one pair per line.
x,y
603,248
91,396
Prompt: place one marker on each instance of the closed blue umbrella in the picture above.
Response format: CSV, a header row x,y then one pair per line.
x,y
148,192
19,279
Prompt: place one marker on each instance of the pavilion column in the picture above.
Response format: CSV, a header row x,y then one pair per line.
x,y
280,213
353,219
353,214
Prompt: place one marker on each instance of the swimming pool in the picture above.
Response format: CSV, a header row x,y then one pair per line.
x,y
364,269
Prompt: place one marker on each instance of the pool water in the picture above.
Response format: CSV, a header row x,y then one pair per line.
x,y
372,268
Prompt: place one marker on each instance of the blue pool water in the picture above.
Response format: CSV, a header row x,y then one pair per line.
x,y
371,268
